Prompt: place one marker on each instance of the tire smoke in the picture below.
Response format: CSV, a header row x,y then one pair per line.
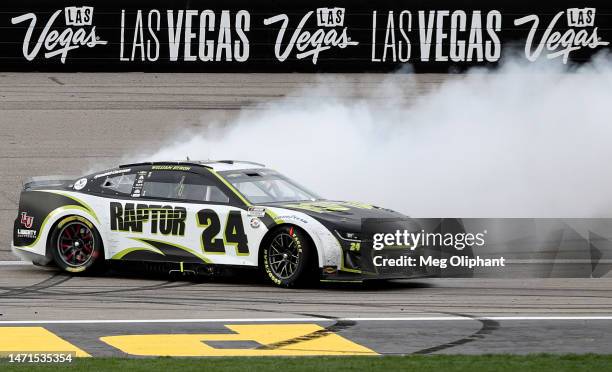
x,y
521,141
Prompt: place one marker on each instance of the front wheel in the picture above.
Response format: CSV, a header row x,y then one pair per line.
x,y
289,258
76,245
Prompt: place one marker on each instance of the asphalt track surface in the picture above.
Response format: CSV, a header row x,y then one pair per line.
x,y
59,123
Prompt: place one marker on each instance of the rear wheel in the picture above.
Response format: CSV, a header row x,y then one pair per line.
x,y
76,245
289,258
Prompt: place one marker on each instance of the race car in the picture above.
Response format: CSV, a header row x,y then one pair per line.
x,y
193,216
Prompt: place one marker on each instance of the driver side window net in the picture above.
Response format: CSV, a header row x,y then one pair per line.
x,y
182,186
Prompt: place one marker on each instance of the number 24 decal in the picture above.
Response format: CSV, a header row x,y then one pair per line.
x,y
232,235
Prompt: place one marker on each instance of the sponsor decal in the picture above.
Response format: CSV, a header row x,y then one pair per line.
x,y
328,206
256,212
26,220
78,185
138,185
310,44
79,32
131,217
558,43
255,223
290,217
26,233
110,173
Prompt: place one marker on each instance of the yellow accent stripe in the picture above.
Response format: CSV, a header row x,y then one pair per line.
x,y
231,187
241,197
274,216
75,218
124,252
91,211
52,213
199,255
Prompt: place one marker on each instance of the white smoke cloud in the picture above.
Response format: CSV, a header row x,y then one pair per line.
x,y
521,141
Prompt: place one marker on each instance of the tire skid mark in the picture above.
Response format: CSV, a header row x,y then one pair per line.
x,y
487,327
157,295
50,282
196,301
339,325
164,285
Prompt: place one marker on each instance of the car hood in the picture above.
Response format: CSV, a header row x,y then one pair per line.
x,y
340,214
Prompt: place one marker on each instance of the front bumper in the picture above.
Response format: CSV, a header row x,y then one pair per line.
x,y
359,264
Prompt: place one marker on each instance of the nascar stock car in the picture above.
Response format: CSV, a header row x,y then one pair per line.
x,y
192,216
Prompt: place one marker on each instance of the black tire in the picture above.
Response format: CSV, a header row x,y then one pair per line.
x,y
289,259
76,246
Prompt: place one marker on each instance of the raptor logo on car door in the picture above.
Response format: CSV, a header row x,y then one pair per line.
x,y
181,214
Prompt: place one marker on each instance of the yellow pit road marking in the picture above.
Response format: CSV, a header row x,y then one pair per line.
x,y
35,339
276,340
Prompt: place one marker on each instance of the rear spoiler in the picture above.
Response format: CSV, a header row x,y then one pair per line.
x,y
47,181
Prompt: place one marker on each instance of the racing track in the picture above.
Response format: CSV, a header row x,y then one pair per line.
x,y
52,124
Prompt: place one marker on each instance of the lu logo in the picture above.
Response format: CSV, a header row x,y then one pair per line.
x,y
26,220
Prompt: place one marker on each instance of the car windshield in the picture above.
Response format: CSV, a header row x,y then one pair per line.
x,y
267,186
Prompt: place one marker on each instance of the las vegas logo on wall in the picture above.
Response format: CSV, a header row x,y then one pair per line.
x,y
78,32
205,35
580,34
331,33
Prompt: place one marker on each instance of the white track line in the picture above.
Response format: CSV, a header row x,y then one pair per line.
x,y
263,320
14,263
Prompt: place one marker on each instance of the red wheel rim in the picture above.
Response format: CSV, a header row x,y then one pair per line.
x,y
75,244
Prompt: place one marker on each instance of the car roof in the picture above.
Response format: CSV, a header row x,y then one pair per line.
x,y
217,165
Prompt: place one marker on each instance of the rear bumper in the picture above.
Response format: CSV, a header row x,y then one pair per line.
x,y
27,255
